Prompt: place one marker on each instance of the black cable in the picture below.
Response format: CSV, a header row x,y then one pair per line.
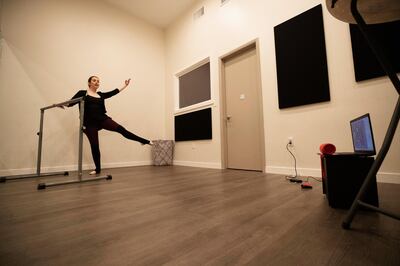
x,y
293,178
317,179
295,167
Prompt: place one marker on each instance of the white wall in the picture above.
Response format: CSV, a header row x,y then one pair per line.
x,y
223,29
49,48
48,51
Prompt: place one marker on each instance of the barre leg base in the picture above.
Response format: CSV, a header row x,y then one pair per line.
x,y
45,185
345,225
3,179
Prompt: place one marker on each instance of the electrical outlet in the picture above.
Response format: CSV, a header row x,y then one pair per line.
x,y
290,141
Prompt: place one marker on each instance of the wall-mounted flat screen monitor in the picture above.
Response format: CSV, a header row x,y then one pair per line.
x,y
195,125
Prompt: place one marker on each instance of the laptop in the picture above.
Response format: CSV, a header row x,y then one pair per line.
x,y
362,136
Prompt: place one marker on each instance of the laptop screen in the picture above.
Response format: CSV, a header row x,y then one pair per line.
x,y
361,132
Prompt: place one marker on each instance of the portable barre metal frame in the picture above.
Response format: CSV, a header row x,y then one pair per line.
x,y
39,154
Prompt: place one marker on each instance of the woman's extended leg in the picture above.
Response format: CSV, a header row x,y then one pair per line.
x,y
111,125
92,134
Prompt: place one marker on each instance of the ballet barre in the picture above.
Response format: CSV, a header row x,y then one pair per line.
x,y
39,154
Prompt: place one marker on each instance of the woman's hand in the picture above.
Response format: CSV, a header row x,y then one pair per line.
x,y
127,81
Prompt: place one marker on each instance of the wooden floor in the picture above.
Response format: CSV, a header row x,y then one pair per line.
x,y
189,216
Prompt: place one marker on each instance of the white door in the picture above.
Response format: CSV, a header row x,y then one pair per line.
x,y
244,132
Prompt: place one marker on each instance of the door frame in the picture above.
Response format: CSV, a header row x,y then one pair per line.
x,y
254,44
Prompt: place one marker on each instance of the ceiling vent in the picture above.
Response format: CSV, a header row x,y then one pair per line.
x,y
199,13
223,2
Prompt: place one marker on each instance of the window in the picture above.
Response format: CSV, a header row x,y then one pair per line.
x,y
194,86
192,118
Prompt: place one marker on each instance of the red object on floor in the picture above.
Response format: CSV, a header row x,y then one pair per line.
x,y
306,185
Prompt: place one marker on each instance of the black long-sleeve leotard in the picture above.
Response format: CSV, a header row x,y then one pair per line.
x,y
95,109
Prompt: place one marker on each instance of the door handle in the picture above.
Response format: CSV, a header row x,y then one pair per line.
x,y
228,117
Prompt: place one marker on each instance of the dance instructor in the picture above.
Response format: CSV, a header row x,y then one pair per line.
x,y
95,118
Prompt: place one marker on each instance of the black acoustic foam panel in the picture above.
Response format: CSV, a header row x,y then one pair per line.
x,y
302,70
366,65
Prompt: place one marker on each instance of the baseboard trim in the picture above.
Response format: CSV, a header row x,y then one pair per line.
x,y
126,164
290,171
381,177
198,164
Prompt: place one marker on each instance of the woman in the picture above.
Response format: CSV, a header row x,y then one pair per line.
x,y
95,118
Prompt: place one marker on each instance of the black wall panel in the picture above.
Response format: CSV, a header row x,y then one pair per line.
x,y
193,126
366,65
302,70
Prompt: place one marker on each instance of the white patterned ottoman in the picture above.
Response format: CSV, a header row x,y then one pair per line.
x,y
162,152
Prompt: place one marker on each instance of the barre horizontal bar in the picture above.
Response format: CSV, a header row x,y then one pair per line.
x,y
44,185
62,103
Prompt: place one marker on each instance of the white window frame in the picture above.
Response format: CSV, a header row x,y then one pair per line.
x,y
197,106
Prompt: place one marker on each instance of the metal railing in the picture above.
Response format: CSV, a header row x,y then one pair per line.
x,y
40,145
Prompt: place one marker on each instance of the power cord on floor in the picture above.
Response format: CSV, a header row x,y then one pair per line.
x,y
295,177
315,178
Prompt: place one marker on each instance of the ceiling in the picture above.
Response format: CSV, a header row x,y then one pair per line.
x,y
160,13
